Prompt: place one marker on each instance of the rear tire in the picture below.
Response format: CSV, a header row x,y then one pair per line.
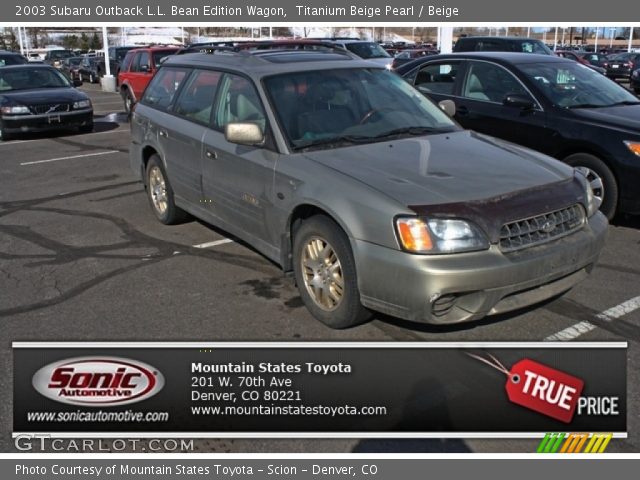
x,y
325,273
160,194
128,101
602,180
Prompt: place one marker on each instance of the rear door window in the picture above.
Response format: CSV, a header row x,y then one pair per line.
x,y
437,78
196,99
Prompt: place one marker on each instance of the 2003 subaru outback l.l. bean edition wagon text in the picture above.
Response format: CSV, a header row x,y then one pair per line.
x,y
339,170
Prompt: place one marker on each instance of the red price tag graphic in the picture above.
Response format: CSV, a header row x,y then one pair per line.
x,y
541,388
544,389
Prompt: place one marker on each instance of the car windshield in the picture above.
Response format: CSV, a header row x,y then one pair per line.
x,y
572,85
31,78
528,46
12,60
329,108
367,50
75,61
60,54
121,53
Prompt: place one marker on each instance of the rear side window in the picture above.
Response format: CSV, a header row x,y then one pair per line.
x,y
163,87
196,100
437,78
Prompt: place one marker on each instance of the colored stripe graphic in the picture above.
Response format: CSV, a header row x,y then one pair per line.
x,y
574,443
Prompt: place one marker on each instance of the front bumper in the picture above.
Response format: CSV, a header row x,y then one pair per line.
x,y
616,73
444,289
52,121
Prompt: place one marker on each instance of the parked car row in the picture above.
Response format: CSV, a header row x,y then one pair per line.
x,y
344,173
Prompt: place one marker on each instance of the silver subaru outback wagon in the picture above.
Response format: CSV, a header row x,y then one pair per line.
x,y
342,173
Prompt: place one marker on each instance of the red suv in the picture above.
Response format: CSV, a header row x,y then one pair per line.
x,y
136,71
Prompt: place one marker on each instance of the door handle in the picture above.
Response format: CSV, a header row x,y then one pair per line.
x,y
462,110
163,133
210,154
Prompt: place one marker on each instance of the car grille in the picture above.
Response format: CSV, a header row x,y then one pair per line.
x,y
541,228
50,108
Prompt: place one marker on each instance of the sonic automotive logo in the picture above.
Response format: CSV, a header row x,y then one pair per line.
x,y
98,381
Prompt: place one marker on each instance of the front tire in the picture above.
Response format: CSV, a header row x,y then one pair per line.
x,y
602,180
325,273
4,136
160,194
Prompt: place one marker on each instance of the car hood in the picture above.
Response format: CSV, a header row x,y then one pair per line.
x,y
624,117
460,166
43,95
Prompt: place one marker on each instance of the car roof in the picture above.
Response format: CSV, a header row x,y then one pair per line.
x,y
514,58
267,62
154,48
26,66
528,39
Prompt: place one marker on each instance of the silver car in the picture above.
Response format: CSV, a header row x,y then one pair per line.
x,y
342,173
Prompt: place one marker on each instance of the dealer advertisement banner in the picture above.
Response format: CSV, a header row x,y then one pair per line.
x,y
403,390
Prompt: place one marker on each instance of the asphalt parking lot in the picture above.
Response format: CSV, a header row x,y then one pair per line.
x,y
83,258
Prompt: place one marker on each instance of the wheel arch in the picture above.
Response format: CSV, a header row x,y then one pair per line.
x,y
299,214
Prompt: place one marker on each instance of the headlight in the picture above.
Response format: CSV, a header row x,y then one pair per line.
x,y
593,203
16,110
636,73
633,146
440,235
81,104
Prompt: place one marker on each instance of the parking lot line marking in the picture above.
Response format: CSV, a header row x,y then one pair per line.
x,y
108,152
580,328
214,243
17,142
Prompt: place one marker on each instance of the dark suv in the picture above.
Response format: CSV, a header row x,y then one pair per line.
x,y
501,44
339,171
11,58
55,58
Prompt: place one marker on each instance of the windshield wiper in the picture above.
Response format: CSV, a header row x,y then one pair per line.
x,y
332,141
617,104
625,102
587,105
417,131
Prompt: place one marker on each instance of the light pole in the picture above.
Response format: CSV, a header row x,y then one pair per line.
x,y
612,32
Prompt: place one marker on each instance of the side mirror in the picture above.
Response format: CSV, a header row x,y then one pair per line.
x,y
145,68
518,100
448,107
77,82
244,134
